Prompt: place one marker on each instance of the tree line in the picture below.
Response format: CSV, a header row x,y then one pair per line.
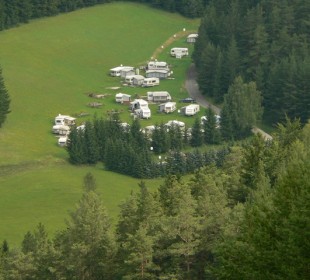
x,y
15,12
128,150
263,41
248,219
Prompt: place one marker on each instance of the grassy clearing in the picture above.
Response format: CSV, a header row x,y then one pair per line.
x,y
47,194
48,66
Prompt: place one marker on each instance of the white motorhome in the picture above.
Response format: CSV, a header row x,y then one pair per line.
x,y
150,82
179,52
191,110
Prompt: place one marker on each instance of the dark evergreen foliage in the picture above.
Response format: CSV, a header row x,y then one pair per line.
x,y
262,41
4,101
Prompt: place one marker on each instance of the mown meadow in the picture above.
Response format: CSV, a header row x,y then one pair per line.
x,y
49,66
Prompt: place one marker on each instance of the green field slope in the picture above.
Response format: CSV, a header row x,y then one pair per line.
x,y
49,65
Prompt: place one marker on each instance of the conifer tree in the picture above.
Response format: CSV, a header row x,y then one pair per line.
x,y
4,101
197,137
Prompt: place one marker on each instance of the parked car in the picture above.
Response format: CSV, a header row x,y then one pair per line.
x,y
188,100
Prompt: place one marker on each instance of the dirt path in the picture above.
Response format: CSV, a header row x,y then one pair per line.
x,y
173,38
192,88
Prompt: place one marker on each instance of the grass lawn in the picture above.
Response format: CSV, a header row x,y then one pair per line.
x,y
49,65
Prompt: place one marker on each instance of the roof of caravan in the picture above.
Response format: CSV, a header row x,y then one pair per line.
x,y
194,35
158,63
158,93
138,77
157,71
119,68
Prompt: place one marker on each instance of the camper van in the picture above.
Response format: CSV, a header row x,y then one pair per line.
x,y
179,52
150,82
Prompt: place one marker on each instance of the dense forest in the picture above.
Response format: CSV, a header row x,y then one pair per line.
x,y
266,42
248,219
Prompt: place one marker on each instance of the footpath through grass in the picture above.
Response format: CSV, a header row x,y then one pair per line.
x,y
49,65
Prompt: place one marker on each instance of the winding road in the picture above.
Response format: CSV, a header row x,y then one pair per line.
x,y
192,88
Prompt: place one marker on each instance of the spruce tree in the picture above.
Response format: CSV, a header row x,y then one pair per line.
x,y
4,100
197,137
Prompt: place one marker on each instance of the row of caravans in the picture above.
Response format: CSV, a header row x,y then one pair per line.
x,y
152,96
61,127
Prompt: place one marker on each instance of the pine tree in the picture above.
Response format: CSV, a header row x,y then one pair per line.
x,y
197,137
210,128
4,101
87,239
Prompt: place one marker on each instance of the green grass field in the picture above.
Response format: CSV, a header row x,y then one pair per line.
x,y
49,65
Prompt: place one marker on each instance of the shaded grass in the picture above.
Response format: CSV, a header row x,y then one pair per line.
x,y
48,66
47,194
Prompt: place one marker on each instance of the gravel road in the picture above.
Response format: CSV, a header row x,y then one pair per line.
x,y
192,88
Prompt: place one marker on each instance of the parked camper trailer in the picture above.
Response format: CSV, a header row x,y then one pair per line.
x,y
175,123
61,129
150,82
157,65
140,107
128,71
128,79
116,72
143,113
137,80
62,141
167,108
191,38
64,120
122,98
158,96
179,52
161,74
138,104
191,110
